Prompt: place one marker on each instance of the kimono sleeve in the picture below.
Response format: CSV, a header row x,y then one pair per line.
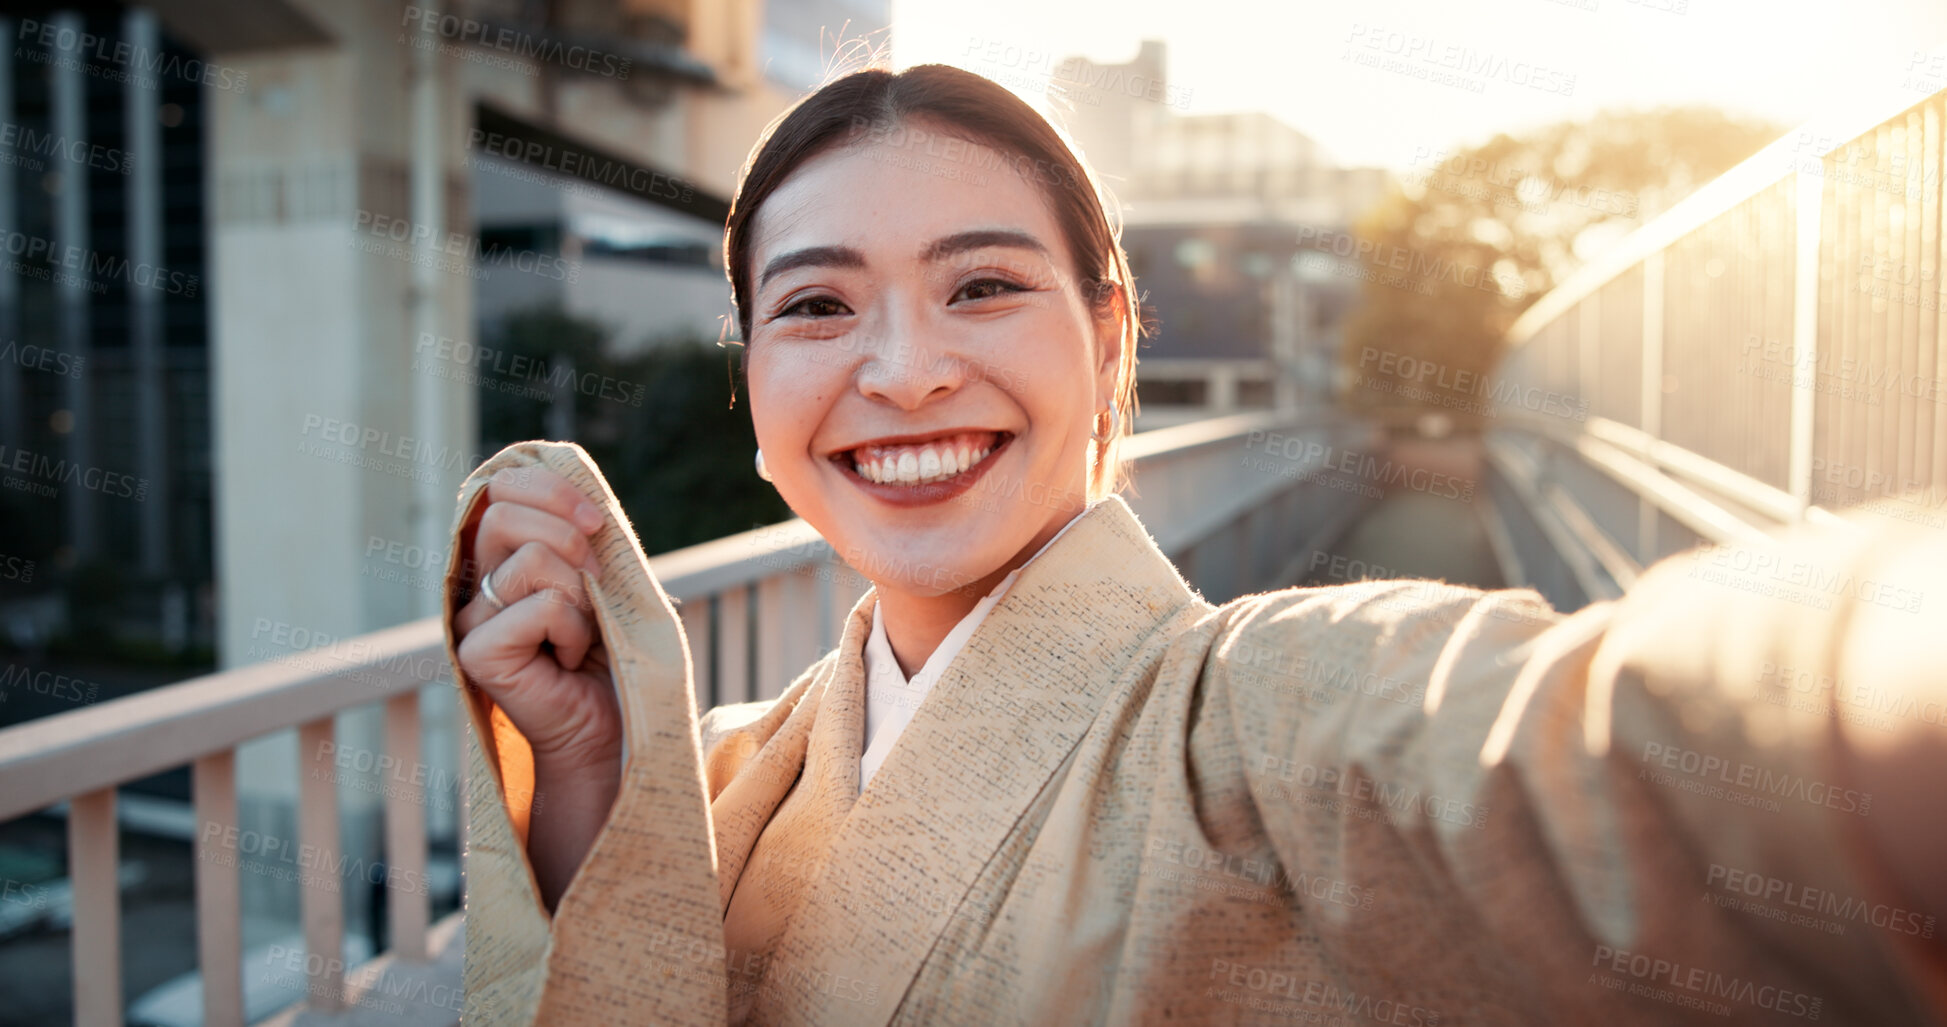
x,y
1702,800
501,762
648,878
508,928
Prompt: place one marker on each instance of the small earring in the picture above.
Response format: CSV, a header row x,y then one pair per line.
x,y
762,471
1115,425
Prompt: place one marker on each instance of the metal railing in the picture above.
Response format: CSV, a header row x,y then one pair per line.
x,y
1769,351
757,606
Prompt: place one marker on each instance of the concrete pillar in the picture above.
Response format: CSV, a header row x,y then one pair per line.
x,y
1287,344
68,117
432,503
332,453
144,227
13,400
1222,385
1308,376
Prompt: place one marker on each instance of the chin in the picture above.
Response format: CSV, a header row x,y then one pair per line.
x,y
952,554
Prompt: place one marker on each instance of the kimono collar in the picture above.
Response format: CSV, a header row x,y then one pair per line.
x,y
891,697
999,724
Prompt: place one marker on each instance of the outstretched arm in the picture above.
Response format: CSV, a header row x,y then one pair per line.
x,y
1720,793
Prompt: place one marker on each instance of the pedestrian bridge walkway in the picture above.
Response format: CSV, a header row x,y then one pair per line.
x,y
1768,353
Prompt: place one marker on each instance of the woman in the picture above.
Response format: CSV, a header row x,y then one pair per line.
x,y
1116,802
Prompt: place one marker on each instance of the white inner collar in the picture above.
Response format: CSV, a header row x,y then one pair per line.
x,y
891,698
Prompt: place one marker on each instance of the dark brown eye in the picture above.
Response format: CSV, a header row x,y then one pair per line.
x,y
987,288
814,306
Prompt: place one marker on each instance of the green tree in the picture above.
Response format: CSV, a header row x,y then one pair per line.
x,y
1465,240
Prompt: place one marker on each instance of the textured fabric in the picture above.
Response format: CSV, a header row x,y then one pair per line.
x,y
650,882
891,699
1374,803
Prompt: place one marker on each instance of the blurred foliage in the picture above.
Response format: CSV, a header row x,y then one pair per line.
x,y
1467,239
658,419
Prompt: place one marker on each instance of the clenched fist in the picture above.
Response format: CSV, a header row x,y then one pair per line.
x,y
538,655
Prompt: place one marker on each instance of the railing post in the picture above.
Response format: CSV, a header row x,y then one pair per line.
x,y
1588,331
408,898
786,612
805,605
219,905
96,953
844,587
733,645
821,575
320,897
696,634
1809,192
1651,400
770,637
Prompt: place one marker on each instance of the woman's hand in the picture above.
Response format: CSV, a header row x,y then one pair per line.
x,y
540,658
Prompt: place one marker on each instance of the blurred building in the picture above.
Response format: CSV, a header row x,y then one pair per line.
x,y
1220,212
650,274
105,408
249,244
646,260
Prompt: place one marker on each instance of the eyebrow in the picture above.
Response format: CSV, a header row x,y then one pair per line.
x,y
939,249
811,256
980,239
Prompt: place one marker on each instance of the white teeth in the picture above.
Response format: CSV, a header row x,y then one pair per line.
x,y
920,465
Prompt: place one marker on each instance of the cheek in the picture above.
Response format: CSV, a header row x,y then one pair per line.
x,y
789,393
1049,374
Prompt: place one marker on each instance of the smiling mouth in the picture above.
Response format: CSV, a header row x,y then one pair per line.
x,y
923,463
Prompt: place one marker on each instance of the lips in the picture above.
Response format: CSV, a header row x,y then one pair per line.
x,y
920,470
922,462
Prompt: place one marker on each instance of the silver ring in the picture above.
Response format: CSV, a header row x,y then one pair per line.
x,y
487,591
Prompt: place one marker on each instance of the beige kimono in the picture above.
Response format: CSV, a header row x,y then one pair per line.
x,y
1380,803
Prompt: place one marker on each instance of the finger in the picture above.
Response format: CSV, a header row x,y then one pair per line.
x,y
570,629
472,615
507,526
504,649
547,491
535,567
532,568
596,658
550,707
475,612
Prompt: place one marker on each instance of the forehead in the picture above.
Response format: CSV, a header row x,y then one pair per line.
x,y
890,194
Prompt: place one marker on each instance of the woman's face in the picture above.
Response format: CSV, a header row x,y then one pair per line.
x,y
924,369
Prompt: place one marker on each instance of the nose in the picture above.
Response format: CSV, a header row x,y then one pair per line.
x,y
908,371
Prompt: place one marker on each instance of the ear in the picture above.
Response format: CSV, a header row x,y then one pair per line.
x,y
1110,320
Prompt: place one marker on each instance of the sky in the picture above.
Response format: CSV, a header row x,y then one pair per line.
x,y
1385,82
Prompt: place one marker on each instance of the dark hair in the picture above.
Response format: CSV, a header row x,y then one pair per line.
x,y
870,105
